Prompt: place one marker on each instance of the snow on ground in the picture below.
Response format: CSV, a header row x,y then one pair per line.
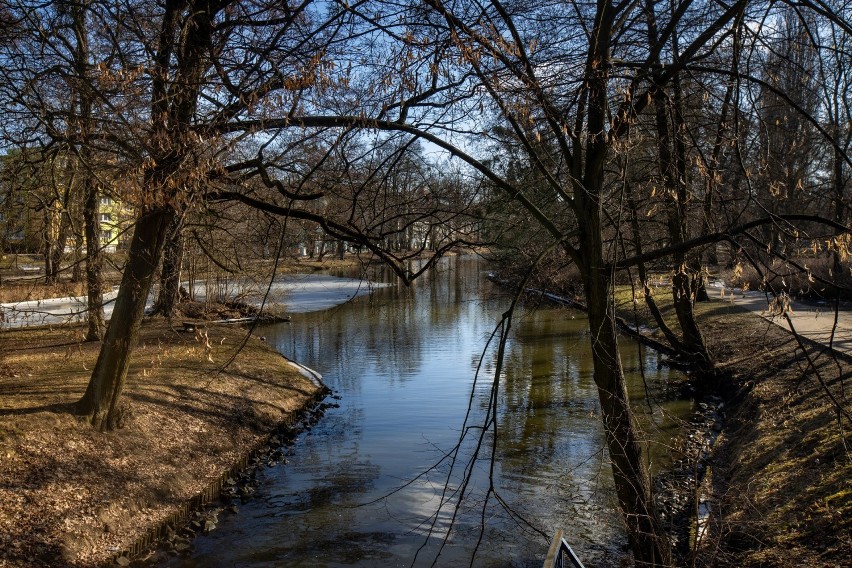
x,y
297,293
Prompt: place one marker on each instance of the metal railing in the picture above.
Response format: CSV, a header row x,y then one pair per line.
x,y
560,554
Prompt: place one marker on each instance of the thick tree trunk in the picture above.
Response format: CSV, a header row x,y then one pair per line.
x,y
100,402
648,541
172,111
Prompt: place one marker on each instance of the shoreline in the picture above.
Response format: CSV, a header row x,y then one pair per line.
x,y
737,490
74,497
193,517
765,463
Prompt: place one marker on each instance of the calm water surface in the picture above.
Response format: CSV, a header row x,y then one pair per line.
x,y
375,483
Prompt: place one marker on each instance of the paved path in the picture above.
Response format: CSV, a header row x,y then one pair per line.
x,y
814,320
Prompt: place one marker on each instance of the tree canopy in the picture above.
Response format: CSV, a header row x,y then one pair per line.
x,y
610,134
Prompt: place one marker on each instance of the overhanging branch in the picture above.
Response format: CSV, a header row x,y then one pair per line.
x,y
723,236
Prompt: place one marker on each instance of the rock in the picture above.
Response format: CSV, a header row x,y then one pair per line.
x,y
122,561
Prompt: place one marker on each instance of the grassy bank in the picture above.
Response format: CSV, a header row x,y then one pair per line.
x,y
779,484
72,496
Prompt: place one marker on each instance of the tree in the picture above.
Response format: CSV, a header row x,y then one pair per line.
x,y
314,112
787,138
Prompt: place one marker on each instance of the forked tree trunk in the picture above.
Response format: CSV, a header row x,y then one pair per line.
x,y
100,402
172,111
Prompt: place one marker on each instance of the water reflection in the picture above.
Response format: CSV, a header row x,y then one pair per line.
x,y
365,485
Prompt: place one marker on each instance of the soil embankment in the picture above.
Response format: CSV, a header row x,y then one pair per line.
x,y
71,496
778,489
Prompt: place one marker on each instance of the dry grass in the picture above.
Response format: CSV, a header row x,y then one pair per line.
x,y
782,467
73,496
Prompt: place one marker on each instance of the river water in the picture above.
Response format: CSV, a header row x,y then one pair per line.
x,y
377,483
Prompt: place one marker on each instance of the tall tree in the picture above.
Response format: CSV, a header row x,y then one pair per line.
x,y
84,125
787,100
181,58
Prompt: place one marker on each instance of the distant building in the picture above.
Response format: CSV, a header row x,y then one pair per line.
x,y
115,220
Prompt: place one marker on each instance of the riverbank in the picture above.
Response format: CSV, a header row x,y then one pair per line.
x,y
778,490
198,404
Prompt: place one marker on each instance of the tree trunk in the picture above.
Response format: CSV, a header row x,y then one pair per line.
x,y
100,402
673,340
167,296
672,166
629,469
648,541
77,271
91,198
49,234
175,96
94,258
57,250
839,206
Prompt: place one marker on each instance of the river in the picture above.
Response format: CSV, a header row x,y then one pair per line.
x,y
374,482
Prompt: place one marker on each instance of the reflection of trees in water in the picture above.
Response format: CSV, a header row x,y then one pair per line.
x,y
396,326
317,495
550,464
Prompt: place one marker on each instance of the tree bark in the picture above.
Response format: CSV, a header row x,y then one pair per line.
x,y
94,259
672,166
175,87
91,197
170,274
648,540
100,402
632,478
56,249
673,340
